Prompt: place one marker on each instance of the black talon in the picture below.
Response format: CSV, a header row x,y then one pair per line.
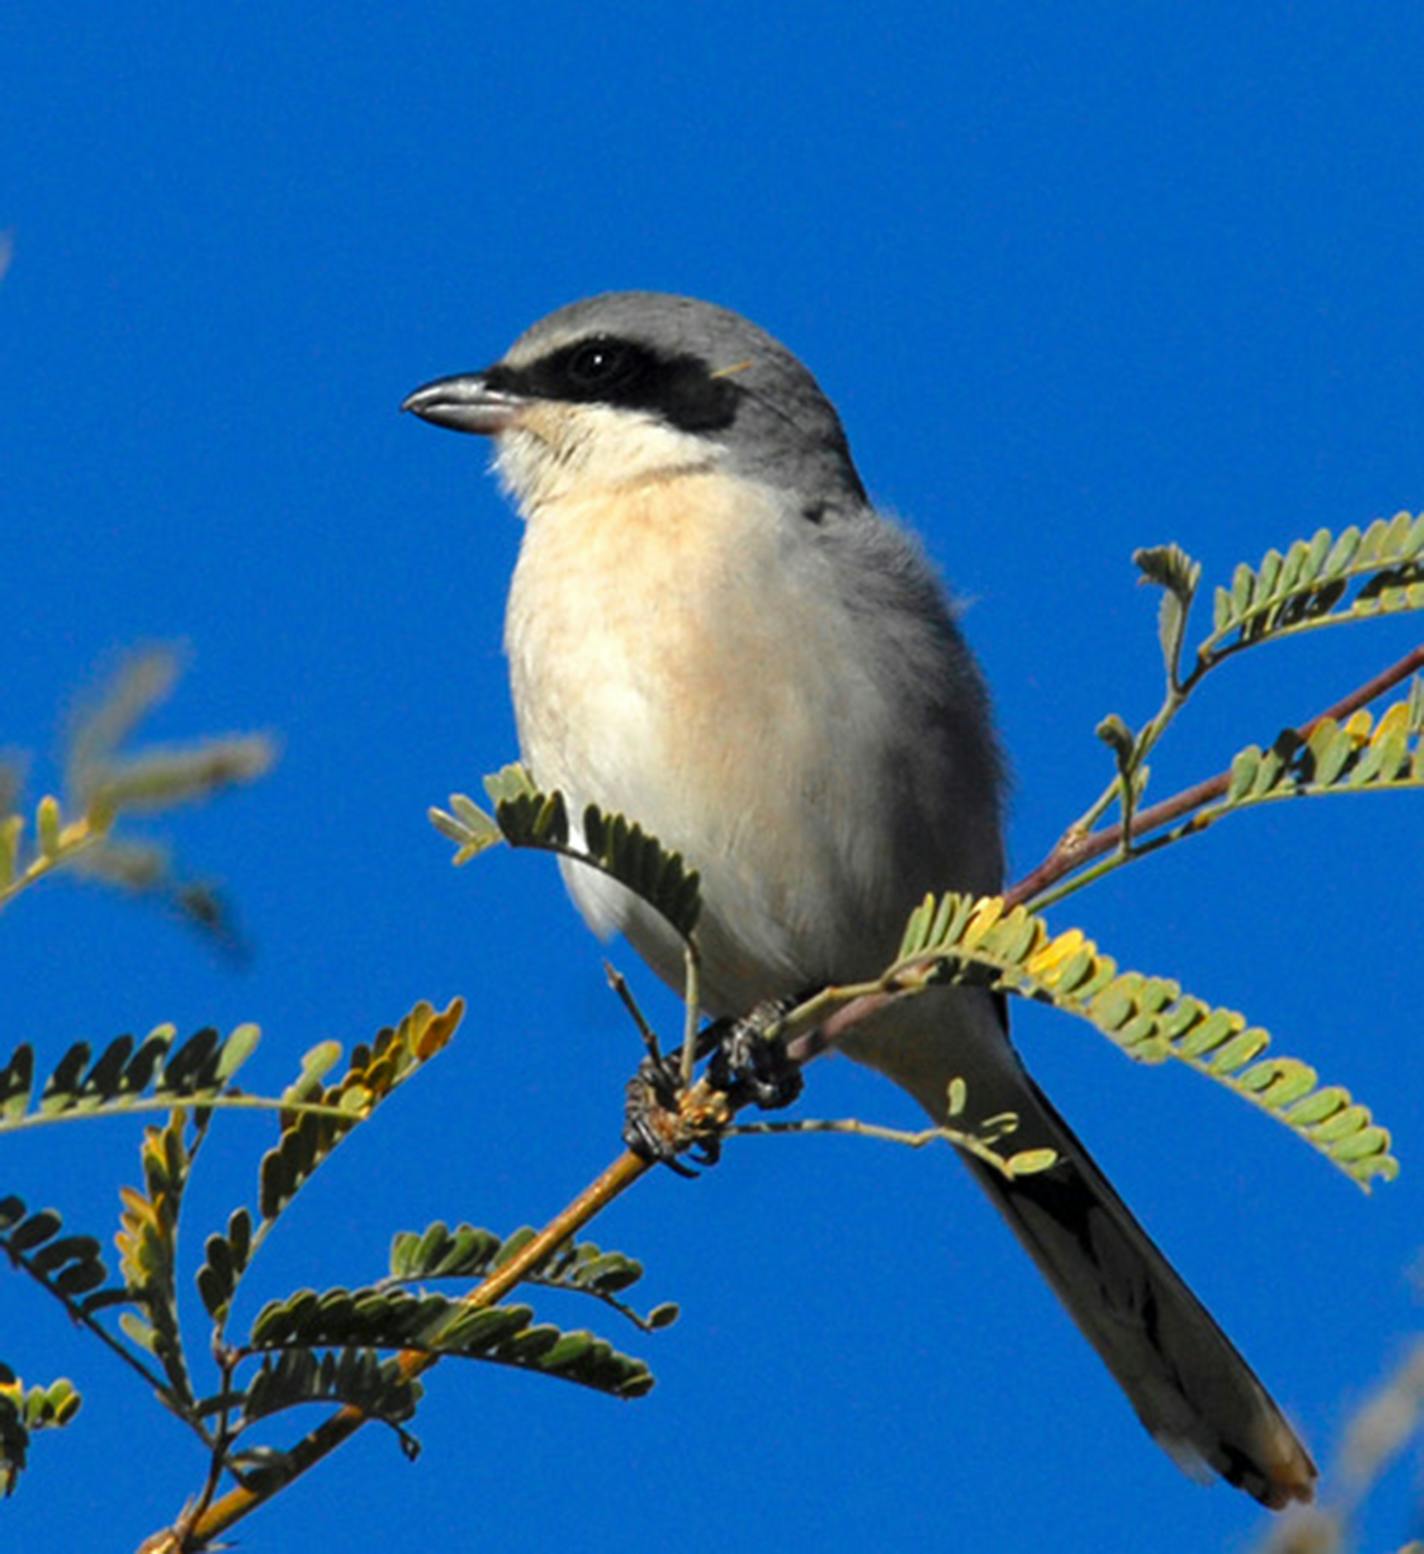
x,y
655,1126
651,1122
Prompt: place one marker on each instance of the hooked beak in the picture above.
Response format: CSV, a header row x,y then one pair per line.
x,y
465,403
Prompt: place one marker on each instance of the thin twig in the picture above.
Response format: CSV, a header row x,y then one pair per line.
x,y
83,1318
223,1436
971,1143
619,983
76,838
1074,851
692,1008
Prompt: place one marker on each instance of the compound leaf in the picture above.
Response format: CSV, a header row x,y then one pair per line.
x,y
467,1252
377,1319
127,1072
958,938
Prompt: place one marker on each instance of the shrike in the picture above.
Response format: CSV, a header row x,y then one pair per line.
x,y
712,631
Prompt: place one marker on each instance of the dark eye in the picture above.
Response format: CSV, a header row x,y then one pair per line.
x,y
600,364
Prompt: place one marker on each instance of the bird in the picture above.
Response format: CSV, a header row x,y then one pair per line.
x,y
711,630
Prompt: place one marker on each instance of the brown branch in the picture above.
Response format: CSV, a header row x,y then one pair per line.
x,y
1072,852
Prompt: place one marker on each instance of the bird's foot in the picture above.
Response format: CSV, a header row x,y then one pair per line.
x,y
662,1121
750,1065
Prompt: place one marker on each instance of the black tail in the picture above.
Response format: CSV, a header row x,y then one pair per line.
x,y
1185,1378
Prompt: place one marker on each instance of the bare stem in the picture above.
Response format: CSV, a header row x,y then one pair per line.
x,y
971,1143
1073,851
619,983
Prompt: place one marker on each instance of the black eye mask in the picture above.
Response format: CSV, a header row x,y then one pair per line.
x,y
609,370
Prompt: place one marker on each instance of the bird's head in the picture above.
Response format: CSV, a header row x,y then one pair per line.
x,y
635,385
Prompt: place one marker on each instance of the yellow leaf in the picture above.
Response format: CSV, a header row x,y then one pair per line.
x,y
986,914
47,825
1043,963
1397,718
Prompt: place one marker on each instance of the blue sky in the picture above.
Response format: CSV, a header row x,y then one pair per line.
x,y
1080,278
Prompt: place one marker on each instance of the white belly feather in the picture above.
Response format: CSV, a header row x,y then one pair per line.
x,y
678,655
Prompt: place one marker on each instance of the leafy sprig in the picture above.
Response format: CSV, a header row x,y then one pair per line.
x,y
1329,580
467,1252
957,938
524,816
431,1324
104,782
24,1411
129,1075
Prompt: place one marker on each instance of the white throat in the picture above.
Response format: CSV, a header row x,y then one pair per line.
x,y
555,450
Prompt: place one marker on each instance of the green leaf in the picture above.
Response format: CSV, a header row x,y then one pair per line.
x,y
509,784
611,843
624,851
137,1331
376,1319
12,828
47,827
240,1045
1244,767
525,816
33,1232
359,1378
581,1268
1382,755
1170,567
69,1267
147,1241
468,826
161,778
224,1264
1178,576
1222,611
126,1073
1117,736
1330,580
1342,552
